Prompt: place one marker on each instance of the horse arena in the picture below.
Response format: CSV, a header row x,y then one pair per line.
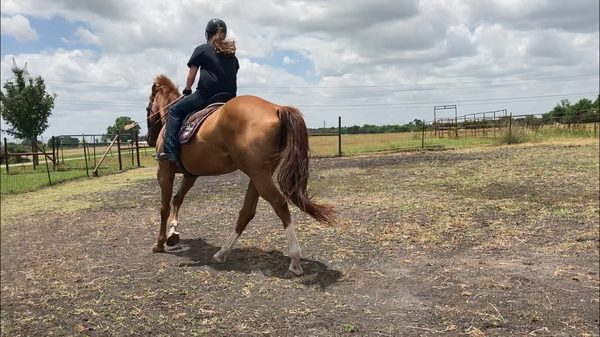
x,y
489,241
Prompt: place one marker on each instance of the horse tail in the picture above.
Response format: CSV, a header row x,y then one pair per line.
x,y
294,166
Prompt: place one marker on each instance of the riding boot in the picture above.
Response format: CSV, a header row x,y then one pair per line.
x,y
171,140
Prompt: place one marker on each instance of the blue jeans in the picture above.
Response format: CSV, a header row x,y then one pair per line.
x,y
177,114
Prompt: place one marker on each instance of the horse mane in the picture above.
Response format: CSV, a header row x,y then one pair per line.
x,y
164,84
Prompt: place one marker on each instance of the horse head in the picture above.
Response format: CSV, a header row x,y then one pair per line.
x,y
153,118
164,93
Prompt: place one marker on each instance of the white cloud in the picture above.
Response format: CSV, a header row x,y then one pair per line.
x,y
572,16
88,37
362,51
18,27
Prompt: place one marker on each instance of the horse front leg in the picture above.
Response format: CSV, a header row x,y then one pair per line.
x,y
165,175
186,185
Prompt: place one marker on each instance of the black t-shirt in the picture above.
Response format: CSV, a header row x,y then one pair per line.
x,y
217,72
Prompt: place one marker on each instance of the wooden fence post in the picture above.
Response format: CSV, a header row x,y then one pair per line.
x,y
85,157
46,156
137,149
6,155
53,154
423,136
94,148
339,136
131,151
456,126
47,167
494,125
33,144
510,128
119,151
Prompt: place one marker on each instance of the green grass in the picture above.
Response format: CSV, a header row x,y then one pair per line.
x,y
69,197
24,178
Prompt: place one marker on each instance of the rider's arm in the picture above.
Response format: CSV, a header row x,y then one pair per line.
x,y
191,78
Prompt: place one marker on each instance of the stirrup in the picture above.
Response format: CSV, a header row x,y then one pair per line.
x,y
166,156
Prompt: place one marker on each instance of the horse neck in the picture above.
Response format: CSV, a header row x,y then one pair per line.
x,y
164,101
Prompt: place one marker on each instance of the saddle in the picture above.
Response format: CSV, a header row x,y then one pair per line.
x,y
193,122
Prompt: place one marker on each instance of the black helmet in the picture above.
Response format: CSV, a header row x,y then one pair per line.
x,y
213,26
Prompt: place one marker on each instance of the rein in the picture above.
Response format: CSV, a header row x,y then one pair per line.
x,y
163,108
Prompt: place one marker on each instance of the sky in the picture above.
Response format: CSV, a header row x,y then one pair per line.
x,y
366,61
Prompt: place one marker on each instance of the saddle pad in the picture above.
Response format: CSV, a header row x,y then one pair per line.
x,y
192,124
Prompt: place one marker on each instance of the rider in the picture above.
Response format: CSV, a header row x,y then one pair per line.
x,y
218,70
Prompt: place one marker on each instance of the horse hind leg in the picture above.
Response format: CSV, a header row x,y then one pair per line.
x,y
267,189
245,216
186,185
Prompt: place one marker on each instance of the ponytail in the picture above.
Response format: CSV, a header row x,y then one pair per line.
x,y
222,45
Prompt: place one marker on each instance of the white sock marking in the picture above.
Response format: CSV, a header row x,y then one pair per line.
x,y
295,249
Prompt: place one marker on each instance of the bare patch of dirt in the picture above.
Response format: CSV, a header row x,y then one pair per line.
x,y
486,242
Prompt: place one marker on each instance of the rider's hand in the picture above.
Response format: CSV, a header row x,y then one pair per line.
x,y
186,92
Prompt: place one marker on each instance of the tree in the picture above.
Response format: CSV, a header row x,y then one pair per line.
x,y
557,114
119,126
581,112
418,124
25,105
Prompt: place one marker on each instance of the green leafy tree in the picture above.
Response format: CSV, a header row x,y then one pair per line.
x,y
558,113
26,105
578,110
119,126
418,124
581,112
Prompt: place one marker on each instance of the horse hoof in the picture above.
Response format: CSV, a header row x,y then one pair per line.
x,y
296,270
158,249
220,256
173,239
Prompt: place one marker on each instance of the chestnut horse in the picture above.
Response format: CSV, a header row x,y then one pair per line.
x,y
247,134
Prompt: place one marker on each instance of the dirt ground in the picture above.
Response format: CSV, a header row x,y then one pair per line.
x,y
483,242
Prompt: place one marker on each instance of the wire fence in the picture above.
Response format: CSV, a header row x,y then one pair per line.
x,y
69,157
496,128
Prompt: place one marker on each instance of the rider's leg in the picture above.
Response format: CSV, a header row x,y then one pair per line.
x,y
177,114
